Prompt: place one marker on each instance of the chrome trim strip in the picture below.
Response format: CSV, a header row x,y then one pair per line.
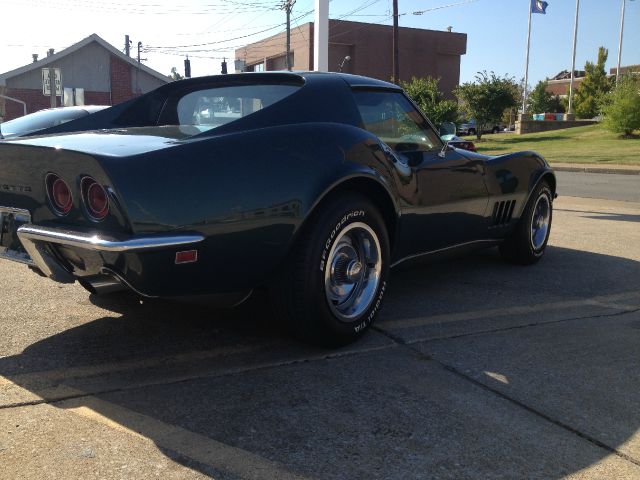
x,y
431,252
30,233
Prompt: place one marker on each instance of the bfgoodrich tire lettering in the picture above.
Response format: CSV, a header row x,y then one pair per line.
x,y
528,241
333,284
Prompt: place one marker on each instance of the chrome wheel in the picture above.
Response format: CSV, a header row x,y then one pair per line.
x,y
354,268
540,222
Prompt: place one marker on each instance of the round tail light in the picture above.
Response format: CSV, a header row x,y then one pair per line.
x,y
95,198
59,194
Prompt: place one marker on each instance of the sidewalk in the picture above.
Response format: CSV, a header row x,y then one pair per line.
x,y
595,168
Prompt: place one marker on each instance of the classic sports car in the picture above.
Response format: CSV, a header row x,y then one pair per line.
x,y
310,184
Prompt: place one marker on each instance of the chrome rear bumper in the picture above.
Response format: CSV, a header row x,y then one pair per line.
x,y
34,238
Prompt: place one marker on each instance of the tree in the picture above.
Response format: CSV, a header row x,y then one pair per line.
x,y
622,109
541,101
587,101
427,95
175,75
487,98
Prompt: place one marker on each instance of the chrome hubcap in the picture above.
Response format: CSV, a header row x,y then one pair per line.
x,y
353,271
540,222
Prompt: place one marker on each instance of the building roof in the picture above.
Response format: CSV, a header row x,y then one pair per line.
x,y
565,74
75,47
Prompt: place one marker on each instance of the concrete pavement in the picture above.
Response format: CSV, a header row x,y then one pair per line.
x,y
476,369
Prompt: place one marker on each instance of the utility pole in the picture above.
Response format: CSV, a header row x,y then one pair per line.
x,y
396,62
138,70
127,45
287,6
321,36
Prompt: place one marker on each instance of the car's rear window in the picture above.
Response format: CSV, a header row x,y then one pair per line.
x,y
211,108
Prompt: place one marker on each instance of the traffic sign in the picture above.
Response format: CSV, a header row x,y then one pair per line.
x,y
46,91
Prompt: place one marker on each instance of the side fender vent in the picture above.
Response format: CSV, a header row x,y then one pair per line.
x,y
502,212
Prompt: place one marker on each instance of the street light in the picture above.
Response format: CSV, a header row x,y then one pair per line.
x,y
344,60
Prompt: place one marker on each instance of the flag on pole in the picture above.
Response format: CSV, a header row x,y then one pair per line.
x,y
539,6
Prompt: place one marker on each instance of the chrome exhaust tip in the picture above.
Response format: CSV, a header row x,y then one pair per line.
x,y
101,284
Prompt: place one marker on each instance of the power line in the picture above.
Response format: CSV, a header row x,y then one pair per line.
x,y
176,47
165,10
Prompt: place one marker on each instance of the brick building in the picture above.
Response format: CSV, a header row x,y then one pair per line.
x,y
93,67
559,85
369,48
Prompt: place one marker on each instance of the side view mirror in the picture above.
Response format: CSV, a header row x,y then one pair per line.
x,y
448,128
445,147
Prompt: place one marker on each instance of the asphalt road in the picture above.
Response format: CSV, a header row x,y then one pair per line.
x,y
599,185
475,369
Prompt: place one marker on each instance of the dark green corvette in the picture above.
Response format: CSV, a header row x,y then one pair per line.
x,y
310,184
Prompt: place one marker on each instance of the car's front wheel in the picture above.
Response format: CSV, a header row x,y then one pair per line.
x,y
333,283
527,242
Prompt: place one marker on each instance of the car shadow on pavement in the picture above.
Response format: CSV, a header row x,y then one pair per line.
x,y
620,217
224,393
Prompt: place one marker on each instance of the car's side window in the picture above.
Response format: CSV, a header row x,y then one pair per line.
x,y
393,119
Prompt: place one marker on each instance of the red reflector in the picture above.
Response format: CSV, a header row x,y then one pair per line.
x,y
188,256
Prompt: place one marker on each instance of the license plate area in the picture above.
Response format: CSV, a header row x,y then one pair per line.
x,y
10,246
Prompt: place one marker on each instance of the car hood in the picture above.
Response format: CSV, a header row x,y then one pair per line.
x,y
473,155
115,143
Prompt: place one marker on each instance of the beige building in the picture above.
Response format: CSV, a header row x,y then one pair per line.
x,y
102,73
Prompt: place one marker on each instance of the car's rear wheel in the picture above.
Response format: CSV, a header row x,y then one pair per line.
x,y
527,242
495,130
472,131
333,283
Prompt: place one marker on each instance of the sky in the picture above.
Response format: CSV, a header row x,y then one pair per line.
x,y
209,30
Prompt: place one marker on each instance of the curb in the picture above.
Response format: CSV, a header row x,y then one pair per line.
x,y
575,168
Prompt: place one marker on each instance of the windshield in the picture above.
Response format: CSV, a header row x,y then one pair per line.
x,y
39,121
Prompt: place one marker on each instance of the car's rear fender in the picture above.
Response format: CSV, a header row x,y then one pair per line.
x,y
247,194
24,169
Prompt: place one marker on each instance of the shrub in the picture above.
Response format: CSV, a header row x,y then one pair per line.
x,y
487,98
622,111
541,101
589,97
427,95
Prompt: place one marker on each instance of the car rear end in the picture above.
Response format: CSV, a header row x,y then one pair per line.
x,y
61,214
